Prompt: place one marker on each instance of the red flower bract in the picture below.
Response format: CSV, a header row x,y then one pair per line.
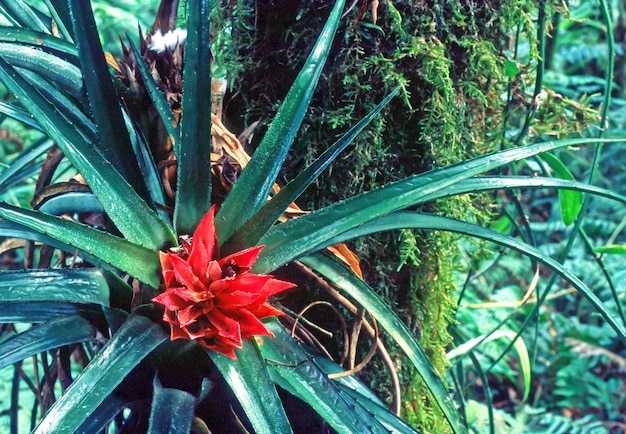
x,y
216,302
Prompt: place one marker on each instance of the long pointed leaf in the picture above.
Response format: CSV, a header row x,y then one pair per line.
x,y
298,373
40,311
252,188
131,258
297,237
137,338
492,183
47,336
113,139
65,105
63,74
130,213
193,192
41,40
252,231
25,15
407,219
357,289
250,381
68,285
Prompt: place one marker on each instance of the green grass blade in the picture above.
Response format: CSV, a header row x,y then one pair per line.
x,y
47,336
297,372
113,139
413,220
250,381
357,289
58,19
172,411
571,200
131,258
520,348
193,189
300,236
137,338
132,216
252,231
252,189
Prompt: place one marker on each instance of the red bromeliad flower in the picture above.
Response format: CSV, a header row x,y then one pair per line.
x,y
216,302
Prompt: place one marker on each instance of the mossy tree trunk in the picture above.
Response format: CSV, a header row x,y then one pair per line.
x,y
449,58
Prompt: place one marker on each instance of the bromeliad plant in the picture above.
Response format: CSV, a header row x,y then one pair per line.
x,y
165,240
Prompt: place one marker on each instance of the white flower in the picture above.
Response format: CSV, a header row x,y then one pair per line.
x,y
160,42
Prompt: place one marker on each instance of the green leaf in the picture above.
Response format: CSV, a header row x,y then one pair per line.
x,y
109,408
488,183
250,382
22,161
413,220
250,233
294,370
511,68
131,258
113,139
62,73
571,200
70,203
19,115
24,15
137,338
47,336
81,286
149,171
172,411
40,311
64,104
43,41
253,187
60,15
66,285
294,238
364,400
357,289
613,249
193,192
131,215
11,229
